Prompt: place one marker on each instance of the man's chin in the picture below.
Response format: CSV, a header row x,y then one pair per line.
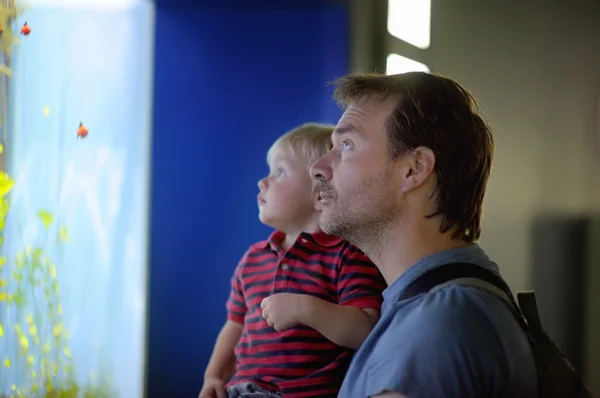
x,y
327,226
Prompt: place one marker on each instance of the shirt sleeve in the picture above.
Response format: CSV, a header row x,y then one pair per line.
x,y
360,283
236,303
446,347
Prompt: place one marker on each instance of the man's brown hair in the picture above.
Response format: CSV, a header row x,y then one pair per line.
x,y
437,113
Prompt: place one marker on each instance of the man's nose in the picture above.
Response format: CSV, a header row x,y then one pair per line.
x,y
320,170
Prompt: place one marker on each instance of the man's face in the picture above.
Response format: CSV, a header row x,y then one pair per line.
x,y
357,179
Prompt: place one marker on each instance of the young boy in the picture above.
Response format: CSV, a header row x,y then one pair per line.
x,y
302,301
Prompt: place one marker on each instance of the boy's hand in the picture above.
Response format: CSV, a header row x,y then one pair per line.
x,y
283,310
213,388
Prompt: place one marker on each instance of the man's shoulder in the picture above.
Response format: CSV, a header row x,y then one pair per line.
x,y
443,342
447,313
478,324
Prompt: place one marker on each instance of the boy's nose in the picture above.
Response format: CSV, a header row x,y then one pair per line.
x,y
262,184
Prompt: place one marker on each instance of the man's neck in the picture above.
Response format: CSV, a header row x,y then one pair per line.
x,y
403,246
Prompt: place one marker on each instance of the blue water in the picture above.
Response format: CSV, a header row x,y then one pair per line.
x,y
89,65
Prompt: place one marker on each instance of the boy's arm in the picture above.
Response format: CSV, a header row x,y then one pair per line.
x,y
344,325
359,296
222,361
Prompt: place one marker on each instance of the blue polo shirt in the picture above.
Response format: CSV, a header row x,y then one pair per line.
x,y
459,341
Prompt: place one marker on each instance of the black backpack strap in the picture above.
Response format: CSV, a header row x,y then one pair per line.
x,y
529,308
449,272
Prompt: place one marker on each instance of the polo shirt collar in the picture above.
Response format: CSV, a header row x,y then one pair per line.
x,y
320,238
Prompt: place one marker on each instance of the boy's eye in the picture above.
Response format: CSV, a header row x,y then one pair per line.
x,y
279,172
346,145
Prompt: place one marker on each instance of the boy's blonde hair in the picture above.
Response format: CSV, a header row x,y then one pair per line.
x,y
310,140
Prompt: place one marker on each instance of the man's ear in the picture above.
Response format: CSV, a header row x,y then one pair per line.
x,y
418,165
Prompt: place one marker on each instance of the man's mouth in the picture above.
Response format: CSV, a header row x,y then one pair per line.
x,y
325,196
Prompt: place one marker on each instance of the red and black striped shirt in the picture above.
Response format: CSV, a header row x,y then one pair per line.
x,y
298,362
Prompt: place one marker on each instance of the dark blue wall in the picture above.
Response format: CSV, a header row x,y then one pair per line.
x,y
229,79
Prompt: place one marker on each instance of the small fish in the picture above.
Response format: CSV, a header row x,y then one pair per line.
x,y
25,30
82,131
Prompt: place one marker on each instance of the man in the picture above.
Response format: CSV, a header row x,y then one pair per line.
x,y
405,182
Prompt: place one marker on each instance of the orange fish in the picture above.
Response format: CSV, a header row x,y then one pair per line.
x,y
25,30
82,131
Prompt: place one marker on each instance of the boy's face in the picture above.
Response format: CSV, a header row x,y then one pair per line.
x,y
287,200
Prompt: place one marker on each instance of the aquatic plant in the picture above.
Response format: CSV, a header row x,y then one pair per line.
x,y
34,343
